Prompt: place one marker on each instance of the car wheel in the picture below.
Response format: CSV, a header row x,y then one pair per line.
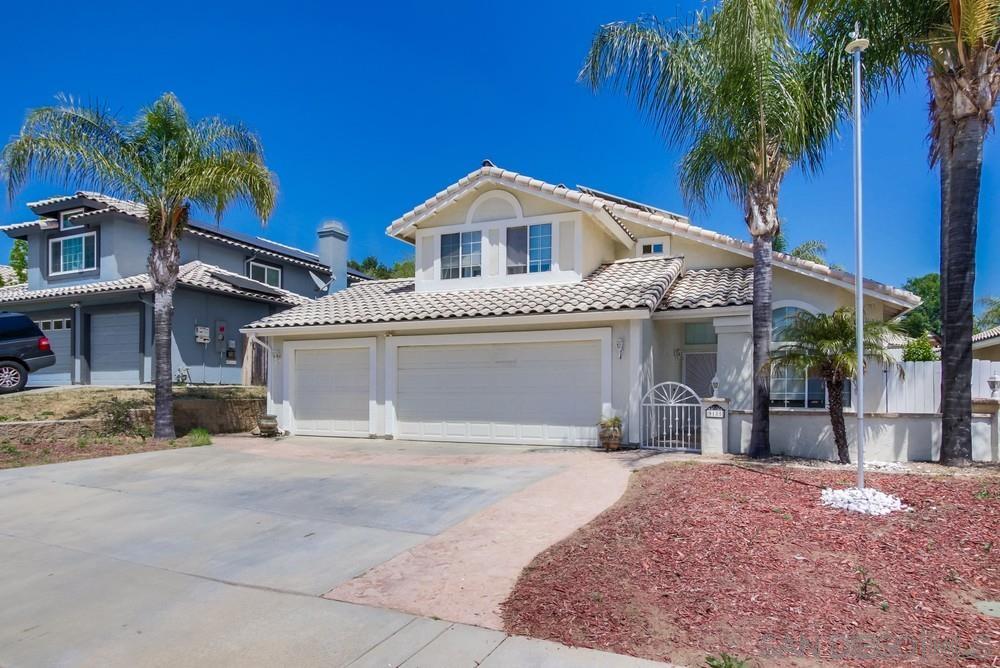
x,y
13,376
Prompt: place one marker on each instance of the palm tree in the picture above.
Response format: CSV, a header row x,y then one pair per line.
x,y
160,159
812,250
824,344
737,93
955,42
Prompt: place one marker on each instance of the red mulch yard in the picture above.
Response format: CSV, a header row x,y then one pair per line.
x,y
700,559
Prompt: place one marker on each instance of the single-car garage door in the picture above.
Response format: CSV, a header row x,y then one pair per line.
x,y
58,329
525,392
331,389
115,355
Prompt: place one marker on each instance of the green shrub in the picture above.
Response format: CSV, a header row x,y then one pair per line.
x,y
199,436
919,350
118,418
726,661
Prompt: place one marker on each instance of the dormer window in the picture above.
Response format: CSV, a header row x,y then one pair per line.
x,y
651,249
65,222
461,255
529,249
653,246
265,274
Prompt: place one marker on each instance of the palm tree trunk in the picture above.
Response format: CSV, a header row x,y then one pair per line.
x,y
164,259
835,392
961,177
760,434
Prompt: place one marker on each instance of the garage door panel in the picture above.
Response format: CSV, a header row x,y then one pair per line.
x,y
60,373
331,390
114,348
546,392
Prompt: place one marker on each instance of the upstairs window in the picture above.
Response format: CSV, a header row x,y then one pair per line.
x,y
69,255
461,255
529,249
266,274
652,249
65,222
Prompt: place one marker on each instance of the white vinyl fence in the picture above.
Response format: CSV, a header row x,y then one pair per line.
x,y
918,390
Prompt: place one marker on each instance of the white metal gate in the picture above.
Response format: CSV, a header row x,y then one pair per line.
x,y
670,418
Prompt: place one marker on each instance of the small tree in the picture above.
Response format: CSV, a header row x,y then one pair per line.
x,y
919,350
19,259
825,344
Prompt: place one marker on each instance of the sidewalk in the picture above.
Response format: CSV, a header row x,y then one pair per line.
x,y
430,643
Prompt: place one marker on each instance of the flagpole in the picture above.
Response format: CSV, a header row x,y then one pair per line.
x,y
855,47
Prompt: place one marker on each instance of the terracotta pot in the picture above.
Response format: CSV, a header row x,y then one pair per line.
x,y
268,425
611,438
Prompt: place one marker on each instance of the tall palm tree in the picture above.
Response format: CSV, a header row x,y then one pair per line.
x,y
824,344
955,43
161,159
744,101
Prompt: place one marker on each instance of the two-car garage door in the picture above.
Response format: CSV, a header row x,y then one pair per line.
x,y
544,392
547,388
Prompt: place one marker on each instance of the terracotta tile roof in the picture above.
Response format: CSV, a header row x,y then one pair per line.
x,y
625,284
193,274
703,288
624,211
8,274
986,335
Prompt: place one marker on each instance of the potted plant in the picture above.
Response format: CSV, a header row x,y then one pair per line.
x,y
611,432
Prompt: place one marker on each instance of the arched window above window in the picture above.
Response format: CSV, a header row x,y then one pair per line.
x,y
781,318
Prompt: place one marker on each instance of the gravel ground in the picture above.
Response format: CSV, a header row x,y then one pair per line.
x,y
697,559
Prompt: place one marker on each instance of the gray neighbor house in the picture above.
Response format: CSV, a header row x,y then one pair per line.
x,y
88,290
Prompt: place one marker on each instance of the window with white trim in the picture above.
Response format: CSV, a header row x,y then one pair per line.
x,y
64,219
797,388
652,249
529,248
265,273
461,254
69,255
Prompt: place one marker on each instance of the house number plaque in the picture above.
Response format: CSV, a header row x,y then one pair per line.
x,y
715,411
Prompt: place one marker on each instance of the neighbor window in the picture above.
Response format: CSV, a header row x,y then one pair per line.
x,y
794,388
461,254
266,274
529,248
64,219
68,255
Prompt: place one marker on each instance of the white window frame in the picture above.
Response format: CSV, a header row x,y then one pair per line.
x,y
61,240
652,241
432,281
265,267
527,250
64,224
461,254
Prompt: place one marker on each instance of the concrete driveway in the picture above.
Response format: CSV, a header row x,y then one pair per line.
x,y
221,555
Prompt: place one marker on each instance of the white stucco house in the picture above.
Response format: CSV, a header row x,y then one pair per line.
x,y
537,309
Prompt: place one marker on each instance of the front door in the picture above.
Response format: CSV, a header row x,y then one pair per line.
x,y
699,370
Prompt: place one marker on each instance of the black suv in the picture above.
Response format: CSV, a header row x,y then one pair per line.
x,y
23,348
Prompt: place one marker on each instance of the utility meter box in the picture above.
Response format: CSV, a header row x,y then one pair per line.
x,y
231,352
202,334
220,336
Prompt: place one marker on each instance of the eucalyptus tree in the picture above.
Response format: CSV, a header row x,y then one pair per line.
x,y
161,159
954,44
824,344
734,89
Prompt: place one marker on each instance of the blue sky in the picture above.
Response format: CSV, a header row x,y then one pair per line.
x,y
366,110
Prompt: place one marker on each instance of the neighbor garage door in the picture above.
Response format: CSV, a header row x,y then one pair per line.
x,y
331,388
58,328
525,392
115,357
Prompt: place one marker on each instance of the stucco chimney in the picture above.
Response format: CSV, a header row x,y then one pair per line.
x,y
333,252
